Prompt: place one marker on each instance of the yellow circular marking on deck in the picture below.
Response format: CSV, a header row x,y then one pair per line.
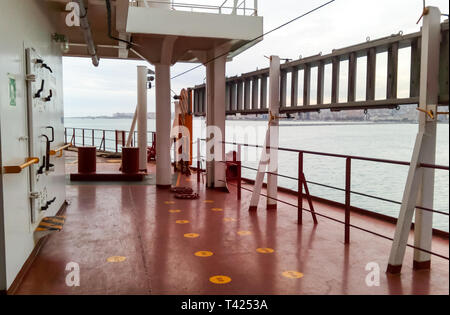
x,y
191,235
182,221
244,233
204,253
113,161
220,279
217,209
265,250
116,259
174,211
292,274
229,220
208,201
169,202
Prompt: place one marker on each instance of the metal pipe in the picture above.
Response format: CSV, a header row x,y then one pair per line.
x,y
87,34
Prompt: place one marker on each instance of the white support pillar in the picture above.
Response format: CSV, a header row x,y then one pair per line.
x,y
419,188
215,120
274,112
163,114
163,143
142,72
429,93
269,158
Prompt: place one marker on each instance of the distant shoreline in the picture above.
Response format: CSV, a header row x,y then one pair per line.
x,y
293,122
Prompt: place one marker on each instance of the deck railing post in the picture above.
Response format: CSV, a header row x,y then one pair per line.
x,y
198,160
93,135
123,139
239,172
348,177
116,141
104,140
82,136
65,135
300,188
174,155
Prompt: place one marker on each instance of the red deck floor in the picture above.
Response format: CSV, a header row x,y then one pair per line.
x,y
136,222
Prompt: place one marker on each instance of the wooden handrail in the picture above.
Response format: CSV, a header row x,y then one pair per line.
x,y
18,168
60,149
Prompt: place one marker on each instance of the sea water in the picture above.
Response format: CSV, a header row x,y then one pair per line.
x,y
392,141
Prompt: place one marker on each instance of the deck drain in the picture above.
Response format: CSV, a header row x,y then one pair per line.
x,y
182,221
174,211
217,209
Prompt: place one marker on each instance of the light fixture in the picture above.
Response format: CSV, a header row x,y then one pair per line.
x,y
60,38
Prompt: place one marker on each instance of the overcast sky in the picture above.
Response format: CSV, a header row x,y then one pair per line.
x,y
111,87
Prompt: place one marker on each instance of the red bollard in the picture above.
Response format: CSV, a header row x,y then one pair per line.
x,y
87,160
130,160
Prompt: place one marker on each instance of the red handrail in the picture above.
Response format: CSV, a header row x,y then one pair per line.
x,y
353,157
347,190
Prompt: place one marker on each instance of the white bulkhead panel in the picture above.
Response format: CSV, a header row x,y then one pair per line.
x,y
25,28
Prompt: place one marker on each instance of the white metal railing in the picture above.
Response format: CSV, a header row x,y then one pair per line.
x,y
236,7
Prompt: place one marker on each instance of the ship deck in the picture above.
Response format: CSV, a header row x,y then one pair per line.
x,y
136,222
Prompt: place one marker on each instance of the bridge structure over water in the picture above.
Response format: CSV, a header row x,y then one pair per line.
x,y
248,93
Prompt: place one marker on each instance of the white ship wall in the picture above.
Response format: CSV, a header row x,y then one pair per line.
x,y
25,24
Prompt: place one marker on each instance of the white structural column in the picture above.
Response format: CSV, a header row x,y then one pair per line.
x,y
429,92
215,119
163,143
163,110
419,188
142,72
274,112
269,158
